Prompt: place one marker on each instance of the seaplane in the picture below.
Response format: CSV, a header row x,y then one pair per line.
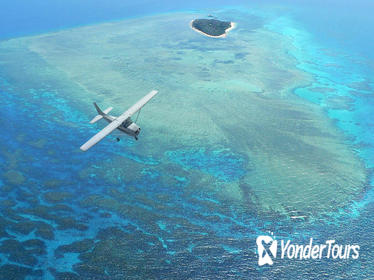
x,y
123,122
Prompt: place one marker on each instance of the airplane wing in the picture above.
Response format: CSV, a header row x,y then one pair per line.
x,y
118,121
138,105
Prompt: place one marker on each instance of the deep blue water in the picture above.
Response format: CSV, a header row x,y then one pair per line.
x,y
342,26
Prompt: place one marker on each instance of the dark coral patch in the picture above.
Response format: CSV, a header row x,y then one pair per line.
x,y
123,255
75,247
17,252
11,271
53,197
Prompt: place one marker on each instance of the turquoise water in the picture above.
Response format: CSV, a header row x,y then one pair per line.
x,y
343,87
72,215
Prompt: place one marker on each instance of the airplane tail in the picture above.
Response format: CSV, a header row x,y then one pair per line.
x,y
100,113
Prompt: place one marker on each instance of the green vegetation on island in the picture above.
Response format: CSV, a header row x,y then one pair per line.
x,y
212,27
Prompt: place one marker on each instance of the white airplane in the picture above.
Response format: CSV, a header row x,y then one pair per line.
x,y
122,123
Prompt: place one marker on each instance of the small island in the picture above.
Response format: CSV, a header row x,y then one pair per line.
x,y
212,27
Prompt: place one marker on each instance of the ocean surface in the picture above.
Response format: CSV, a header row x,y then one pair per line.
x,y
269,131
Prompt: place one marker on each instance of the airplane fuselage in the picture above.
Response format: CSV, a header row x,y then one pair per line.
x,y
128,126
